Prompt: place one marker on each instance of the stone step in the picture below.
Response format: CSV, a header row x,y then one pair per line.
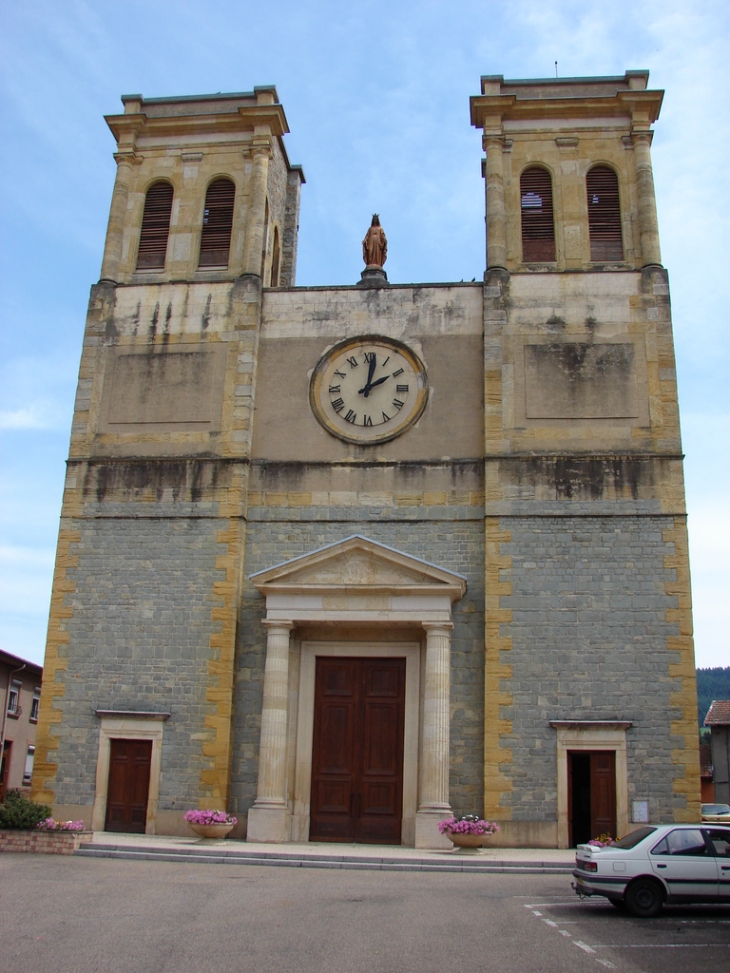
x,y
223,856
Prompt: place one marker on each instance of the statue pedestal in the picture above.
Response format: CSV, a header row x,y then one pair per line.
x,y
373,277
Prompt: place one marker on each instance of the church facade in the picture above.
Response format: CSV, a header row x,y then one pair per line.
x,y
345,560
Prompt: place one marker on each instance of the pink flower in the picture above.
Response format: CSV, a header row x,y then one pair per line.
x,y
468,824
209,817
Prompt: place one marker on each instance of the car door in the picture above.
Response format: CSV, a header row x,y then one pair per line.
x,y
720,842
682,858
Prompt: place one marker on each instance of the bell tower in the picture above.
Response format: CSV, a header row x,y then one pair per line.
x,y
583,461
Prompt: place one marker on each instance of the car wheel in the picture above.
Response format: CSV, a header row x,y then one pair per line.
x,y
644,898
618,904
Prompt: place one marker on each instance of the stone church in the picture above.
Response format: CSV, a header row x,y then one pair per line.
x,y
345,560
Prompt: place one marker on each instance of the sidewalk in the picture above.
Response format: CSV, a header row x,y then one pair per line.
x,y
326,854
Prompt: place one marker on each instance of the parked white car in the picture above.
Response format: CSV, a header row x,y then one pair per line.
x,y
658,864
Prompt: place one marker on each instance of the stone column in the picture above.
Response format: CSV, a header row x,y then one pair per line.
x,y
648,224
111,262
267,819
433,803
254,240
496,216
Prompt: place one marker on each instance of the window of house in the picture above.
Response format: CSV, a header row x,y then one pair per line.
x,y
215,239
538,226
604,214
14,699
28,769
35,704
155,227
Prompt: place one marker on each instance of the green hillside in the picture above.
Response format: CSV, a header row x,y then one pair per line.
x,y
711,684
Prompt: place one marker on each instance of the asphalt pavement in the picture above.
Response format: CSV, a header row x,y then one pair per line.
x,y
86,915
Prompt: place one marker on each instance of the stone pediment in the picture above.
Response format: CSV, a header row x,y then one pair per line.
x,y
362,565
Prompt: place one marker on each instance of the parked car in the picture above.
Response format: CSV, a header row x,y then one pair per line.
x,y
716,812
657,864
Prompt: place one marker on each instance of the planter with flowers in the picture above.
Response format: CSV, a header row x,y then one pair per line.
x,y
210,824
468,830
27,826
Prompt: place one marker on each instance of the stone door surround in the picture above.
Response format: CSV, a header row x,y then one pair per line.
x,y
591,735
355,582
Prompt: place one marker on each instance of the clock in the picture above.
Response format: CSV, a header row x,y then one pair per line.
x,y
368,389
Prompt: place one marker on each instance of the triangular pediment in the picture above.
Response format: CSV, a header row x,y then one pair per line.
x,y
360,564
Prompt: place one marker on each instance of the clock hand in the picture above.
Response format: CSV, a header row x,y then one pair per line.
x,y
378,382
371,370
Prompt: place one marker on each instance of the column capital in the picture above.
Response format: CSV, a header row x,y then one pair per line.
x,y
433,626
495,139
273,623
127,158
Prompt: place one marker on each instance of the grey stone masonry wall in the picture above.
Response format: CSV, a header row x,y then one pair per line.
x,y
139,640
457,546
589,642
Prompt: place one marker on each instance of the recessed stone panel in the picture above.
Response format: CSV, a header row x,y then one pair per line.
x,y
180,389
577,380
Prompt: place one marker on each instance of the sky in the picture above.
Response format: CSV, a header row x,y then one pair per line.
x,y
377,99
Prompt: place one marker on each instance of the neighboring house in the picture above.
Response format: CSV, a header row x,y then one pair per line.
x,y
718,720
707,787
20,690
345,559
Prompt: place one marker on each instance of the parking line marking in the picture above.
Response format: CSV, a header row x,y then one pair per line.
x,y
583,946
549,922
606,963
659,945
536,913
564,932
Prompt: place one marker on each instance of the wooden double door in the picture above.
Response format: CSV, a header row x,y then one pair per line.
x,y
129,785
357,756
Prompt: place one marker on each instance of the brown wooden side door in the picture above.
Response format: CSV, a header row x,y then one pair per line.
x,y
357,757
603,793
129,785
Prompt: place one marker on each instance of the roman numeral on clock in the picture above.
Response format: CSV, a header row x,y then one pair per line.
x,y
352,362
369,356
398,388
350,416
341,374
334,389
399,372
338,405
367,421
398,404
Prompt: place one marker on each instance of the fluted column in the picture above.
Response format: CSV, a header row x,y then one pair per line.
x,y
267,819
496,214
254,239
110,264
433,796
648,223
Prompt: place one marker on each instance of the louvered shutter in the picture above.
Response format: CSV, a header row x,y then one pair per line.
x,y
538,227
215,239
604,214
155,227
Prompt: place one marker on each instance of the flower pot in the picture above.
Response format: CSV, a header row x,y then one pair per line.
x,y
211,830
472,841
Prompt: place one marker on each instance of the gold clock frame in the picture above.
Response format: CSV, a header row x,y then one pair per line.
x,y
355,434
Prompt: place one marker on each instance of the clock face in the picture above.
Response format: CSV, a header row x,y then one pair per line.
x,y
368,390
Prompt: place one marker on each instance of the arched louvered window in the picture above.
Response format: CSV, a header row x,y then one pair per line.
x,y
538,227
275,259
215,240
155,227
604,214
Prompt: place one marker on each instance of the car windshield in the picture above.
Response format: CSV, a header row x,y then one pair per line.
x,y
716,808
633,839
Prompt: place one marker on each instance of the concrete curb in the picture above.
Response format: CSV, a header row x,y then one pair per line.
x,y
222,856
